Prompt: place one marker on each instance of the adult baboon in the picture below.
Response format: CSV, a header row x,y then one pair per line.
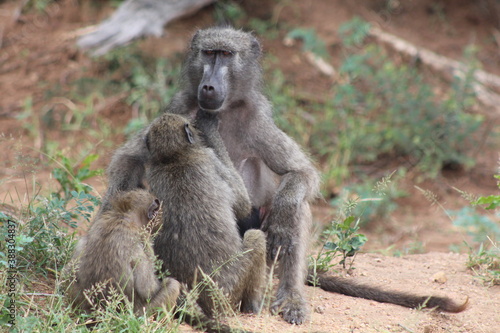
x,y
117,254
204,194
222,75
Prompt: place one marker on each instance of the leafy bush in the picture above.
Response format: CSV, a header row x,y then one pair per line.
x,y
379,109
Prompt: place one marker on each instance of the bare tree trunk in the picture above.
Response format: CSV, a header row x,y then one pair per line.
x,y
137,18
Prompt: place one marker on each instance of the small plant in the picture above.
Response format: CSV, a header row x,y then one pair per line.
x,y
71,175
486,263
346,242
44,229
491,201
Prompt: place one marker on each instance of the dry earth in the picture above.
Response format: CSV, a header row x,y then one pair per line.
x,y
37,52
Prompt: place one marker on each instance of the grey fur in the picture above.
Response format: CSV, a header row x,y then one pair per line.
x,y
117,253
202,194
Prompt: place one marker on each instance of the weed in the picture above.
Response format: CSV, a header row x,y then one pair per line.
x,y
491,201
71,174
345,243
373,201
486,263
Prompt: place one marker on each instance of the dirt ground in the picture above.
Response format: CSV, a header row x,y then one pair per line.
x,y
37,51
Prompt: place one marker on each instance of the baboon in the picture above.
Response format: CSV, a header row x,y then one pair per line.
x,y
118,254
203,194
222,75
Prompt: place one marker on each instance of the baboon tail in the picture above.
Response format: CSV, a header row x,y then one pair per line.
x,y
350,288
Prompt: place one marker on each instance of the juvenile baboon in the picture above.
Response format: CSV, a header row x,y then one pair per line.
x,y
222,75
203,195
117,253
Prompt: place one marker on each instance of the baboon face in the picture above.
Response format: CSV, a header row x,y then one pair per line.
x,y
217,57
168,136
144,204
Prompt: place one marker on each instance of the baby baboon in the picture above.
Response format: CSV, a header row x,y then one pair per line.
x,y
203,195
117,253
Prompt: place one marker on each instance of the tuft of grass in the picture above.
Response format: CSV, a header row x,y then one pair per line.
x,y
485,262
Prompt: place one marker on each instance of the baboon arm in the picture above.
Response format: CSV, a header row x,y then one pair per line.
x,y
207,124
299,183
126,171
283,156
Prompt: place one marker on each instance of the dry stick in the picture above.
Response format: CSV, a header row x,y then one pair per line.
x,y
446,65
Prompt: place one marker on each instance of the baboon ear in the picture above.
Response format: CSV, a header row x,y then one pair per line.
x,y
153,209
194,39
189,133
255,47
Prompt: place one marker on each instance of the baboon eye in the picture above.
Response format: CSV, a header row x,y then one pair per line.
x,y
189,134
227,53
209,52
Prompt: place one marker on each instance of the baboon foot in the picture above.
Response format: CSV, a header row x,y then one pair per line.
x,y
250,306
292,308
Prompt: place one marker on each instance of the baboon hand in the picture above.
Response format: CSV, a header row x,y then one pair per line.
x,y
279,242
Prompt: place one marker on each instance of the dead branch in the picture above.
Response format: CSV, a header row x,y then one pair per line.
x,y
445,65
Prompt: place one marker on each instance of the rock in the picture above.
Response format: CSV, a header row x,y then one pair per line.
x,y
440,277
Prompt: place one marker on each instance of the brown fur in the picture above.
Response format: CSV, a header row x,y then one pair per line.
x,y
203,196
117,253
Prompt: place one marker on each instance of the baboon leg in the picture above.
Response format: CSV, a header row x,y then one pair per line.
x,y
167,295
292,270
254,245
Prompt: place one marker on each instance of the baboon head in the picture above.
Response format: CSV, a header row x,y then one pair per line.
x,y
143,205
170,136
222,66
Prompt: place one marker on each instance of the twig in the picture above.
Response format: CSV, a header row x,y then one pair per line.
x,y
41,294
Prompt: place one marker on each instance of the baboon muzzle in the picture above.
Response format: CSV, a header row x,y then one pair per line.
x,y
212,90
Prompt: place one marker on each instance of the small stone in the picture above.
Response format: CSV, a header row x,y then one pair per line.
x,y
440,277
319,309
